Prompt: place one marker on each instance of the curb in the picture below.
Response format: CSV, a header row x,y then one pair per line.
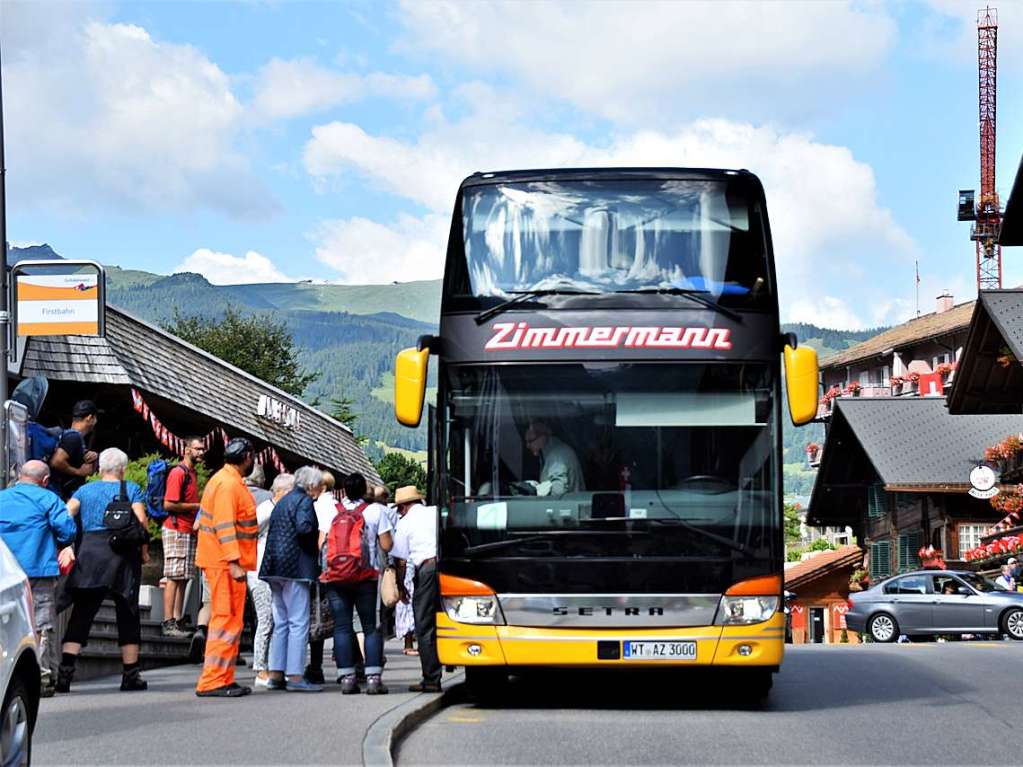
x,y
384,735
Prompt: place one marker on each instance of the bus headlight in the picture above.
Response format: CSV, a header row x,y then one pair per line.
x,y
474,610
744,610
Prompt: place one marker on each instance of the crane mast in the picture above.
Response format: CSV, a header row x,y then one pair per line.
x,y
989,212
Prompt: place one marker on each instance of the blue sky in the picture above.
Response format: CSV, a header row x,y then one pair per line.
x,y
281,140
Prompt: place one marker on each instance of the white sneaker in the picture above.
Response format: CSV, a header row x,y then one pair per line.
x,y
260,682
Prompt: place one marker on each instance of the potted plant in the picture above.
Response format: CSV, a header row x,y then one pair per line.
x,y
813,451
896,383
858,580
914,381
944,370
853,388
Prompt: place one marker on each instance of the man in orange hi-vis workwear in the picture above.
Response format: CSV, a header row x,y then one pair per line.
x,y
226,551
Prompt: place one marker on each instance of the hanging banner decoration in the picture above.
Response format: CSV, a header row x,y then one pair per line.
x,y
984,482
58,298
176,444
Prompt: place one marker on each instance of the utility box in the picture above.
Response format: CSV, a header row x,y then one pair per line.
x,y
967,205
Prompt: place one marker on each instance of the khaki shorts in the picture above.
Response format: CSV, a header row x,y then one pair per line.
x,y
178,555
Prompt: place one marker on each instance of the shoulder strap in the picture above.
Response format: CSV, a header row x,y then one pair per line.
x,y
124,491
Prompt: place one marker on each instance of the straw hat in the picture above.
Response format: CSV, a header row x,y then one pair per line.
x,y
407,494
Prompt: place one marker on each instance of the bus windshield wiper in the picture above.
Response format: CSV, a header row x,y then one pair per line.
x,y
487,548
730,543
699,296
521,296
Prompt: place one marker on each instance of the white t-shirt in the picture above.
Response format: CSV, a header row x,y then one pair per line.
x,y
415,539
263,512
326,508
377,523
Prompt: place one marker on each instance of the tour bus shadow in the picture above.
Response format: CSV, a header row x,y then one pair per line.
x,y
809,681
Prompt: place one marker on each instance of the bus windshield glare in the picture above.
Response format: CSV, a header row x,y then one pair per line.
x,y
612,236
611,460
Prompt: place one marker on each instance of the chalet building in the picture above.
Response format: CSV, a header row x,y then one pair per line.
x,y
821,587
897,470
153,388
917,358
1012,220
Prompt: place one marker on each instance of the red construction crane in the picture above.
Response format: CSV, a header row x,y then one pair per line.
x,y
987,213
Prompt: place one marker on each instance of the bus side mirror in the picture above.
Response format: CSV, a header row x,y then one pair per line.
x,y
801,383
410,385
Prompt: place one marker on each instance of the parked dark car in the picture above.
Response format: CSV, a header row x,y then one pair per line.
x,y
931,602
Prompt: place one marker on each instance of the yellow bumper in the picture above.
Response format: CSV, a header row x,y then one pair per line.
x,y
461,644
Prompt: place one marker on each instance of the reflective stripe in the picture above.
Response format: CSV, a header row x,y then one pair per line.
x,y
223,636
248,536
247,523
219,662
226,538
206,529
205,514
224,526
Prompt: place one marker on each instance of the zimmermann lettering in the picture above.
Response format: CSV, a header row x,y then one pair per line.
x,y
590,611
510,336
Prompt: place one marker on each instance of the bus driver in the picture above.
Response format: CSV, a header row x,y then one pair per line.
x,y
560,471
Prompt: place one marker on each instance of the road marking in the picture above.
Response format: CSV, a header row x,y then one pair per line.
x,y
465,719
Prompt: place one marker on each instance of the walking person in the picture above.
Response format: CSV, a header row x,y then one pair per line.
x,y
290,566
34,523
227,550
415,545
353,585
181,502
102,569
404,617
71,462
260,590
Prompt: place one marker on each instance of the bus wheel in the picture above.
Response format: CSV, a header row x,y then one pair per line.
x,y
487,684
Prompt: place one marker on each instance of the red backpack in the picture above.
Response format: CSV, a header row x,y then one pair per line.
x,y
346,549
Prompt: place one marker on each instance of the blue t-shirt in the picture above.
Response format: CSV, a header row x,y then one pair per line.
x,y
96,496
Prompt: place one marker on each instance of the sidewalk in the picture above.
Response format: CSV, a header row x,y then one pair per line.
x,y
168,725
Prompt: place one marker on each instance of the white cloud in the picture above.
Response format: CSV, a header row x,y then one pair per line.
x,y
620,59
367,252
105,115
830,232
951,35
289,88
225,269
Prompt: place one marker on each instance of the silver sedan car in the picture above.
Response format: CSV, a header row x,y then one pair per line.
x,y
929,602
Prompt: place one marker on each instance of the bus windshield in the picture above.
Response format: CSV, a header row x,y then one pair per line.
x,y
620,235
611,460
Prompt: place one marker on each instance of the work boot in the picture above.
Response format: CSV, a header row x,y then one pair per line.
x,y
132,681
197,649
314,675
348,685
169,628
374,686
184,624
64,676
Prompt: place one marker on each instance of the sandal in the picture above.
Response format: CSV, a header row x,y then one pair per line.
x,y
410,651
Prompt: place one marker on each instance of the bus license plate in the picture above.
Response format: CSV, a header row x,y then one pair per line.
x,y
678,651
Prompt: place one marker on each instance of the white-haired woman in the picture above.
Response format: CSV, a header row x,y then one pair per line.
x,y
100,572
260,590
290,565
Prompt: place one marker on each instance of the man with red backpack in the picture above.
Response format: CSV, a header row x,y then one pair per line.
x,y
353,549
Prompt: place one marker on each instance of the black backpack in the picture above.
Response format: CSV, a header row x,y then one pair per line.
x,y
126,532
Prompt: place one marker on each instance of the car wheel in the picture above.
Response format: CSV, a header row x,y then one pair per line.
x,y
883,628
15,726
1012,623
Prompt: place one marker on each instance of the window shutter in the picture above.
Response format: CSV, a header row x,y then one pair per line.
x,y
880,560
877,505
909,548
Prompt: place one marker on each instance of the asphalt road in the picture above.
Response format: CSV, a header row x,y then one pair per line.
x,y
937,703
96,724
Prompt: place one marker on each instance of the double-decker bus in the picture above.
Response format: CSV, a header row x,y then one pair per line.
x,y
605,447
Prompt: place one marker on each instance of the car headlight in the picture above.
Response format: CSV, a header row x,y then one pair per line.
x,y
474,610
744,610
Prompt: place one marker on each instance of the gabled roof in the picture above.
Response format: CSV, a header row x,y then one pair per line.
x,y
1012,219
135,353
983,384
917,330
909,444
821,564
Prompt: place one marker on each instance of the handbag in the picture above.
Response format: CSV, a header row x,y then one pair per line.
x,y
126,532
389,593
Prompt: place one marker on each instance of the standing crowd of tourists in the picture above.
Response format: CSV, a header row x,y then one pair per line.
x,y
318,562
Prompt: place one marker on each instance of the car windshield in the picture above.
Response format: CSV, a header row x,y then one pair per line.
x,y
613,235
611,460
980,583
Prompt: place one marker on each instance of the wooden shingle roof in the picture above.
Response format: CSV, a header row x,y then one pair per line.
x,y
821,564
915,331
135,353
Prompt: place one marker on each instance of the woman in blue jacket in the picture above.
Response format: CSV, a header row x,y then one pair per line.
x,y
290,566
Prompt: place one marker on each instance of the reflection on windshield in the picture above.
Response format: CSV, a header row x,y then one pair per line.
x,y
980,583
611,235
675,453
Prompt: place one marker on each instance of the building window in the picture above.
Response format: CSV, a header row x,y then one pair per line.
x,y
940,359
880,560
877,501
909,548
969,537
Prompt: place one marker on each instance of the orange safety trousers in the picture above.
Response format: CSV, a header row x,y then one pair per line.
x,y
227,605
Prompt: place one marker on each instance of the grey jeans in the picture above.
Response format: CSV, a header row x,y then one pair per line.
x,y
46,624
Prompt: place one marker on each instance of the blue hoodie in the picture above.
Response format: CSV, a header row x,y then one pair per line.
x,y
33,521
